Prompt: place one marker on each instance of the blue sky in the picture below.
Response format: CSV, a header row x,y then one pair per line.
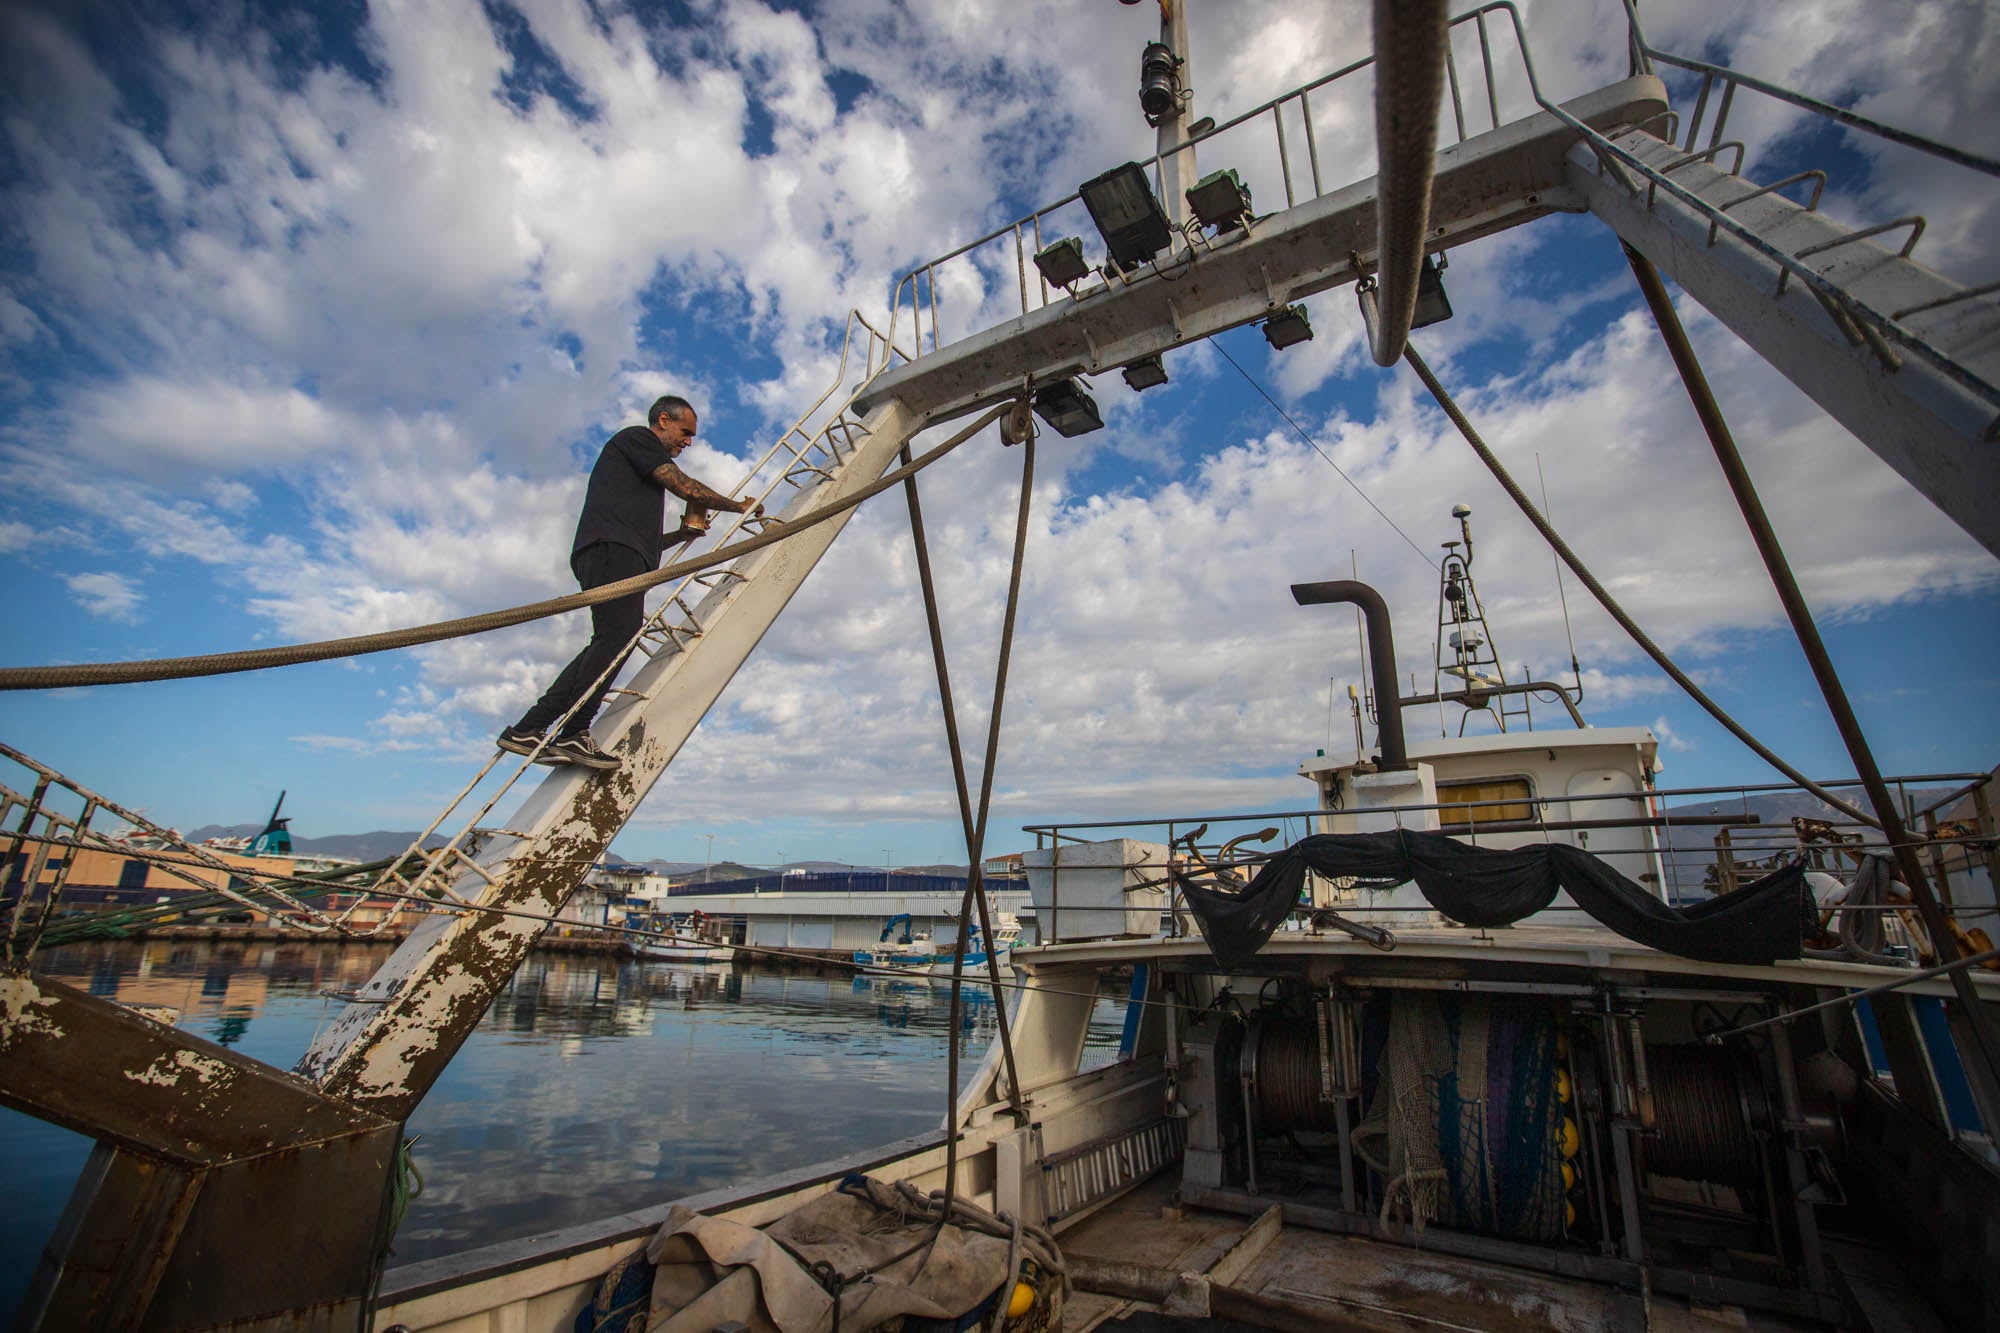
x,y
313,318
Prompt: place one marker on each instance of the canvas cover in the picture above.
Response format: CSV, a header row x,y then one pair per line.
x,y
851,1259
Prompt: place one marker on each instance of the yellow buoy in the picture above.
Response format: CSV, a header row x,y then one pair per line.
x,y
1572,1138
1025,1290
1562,1086
1569,1177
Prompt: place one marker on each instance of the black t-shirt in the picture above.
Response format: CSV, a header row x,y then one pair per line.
x,y
623,503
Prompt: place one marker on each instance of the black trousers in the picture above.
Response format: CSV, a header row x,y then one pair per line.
x,y
612,625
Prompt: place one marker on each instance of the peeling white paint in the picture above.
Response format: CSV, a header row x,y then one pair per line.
x,y
21,1006
169,1070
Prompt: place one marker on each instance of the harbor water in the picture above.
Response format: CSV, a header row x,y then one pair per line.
x,y
592,1087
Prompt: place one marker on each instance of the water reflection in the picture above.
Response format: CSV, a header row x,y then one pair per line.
x,y
591,1087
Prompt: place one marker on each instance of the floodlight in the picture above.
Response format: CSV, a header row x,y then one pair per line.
x,y
1220,200
1127,215
1062,263
1146,374
1286,327
1067,408
1159,83
1432,307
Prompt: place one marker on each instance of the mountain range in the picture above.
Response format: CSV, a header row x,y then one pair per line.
x,y
1774,812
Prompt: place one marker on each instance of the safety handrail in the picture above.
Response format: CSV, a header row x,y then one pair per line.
x,y
1610,155
1831,291
1736,790
1712,72
39,879
921,278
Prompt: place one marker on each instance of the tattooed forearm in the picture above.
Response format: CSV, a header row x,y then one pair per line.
x,y
681,484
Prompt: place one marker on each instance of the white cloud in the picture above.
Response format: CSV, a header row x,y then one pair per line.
x,y
105,595
213,424
1669,737
355,342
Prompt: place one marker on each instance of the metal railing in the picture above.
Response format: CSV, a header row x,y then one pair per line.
x,y
1874,324
987,255
1722,831
39,845
1729,80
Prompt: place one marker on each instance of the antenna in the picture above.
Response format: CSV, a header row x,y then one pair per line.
x,y
1464,648
1360,638
1561,595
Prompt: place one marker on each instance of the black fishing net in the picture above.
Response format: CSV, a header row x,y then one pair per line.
x,y
1482,886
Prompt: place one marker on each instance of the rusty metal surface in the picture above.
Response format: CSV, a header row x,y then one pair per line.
x,y
221,1190
96,1067
103,1262
287,1240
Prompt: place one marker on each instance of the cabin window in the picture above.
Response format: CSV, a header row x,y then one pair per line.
x,y
1516,792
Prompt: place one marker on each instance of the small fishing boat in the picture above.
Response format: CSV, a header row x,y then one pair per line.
x,y
1005,935
697,939
912,953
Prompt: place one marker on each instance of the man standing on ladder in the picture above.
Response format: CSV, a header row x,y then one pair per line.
x,y
618,537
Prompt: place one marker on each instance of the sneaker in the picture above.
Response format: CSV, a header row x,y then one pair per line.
x,y
516,741
580,750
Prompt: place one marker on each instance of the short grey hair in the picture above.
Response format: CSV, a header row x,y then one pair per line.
x,y
673,407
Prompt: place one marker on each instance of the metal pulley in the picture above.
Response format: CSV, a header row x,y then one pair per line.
x,y
1017,424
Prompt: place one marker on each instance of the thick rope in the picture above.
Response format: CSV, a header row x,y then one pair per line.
x,y
1610,603
1411,38
221,664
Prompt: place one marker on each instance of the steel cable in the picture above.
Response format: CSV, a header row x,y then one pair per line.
x,y
1610,603
258,659
975,887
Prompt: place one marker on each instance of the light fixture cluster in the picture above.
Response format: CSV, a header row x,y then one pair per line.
x,y
1135,229
1220,200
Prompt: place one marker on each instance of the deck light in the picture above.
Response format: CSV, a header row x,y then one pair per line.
x,y
1159,83
1062,263
1067,408
1220,200
1286,327
1432,307
1146,374
1130,219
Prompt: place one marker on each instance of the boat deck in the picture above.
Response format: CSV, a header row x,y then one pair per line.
x,y
1302,1278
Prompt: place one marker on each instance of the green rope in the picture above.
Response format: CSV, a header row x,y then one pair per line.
x,y
405,1185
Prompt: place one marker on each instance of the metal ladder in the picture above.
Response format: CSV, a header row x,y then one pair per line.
x,y
496,887
1905,357
805,458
